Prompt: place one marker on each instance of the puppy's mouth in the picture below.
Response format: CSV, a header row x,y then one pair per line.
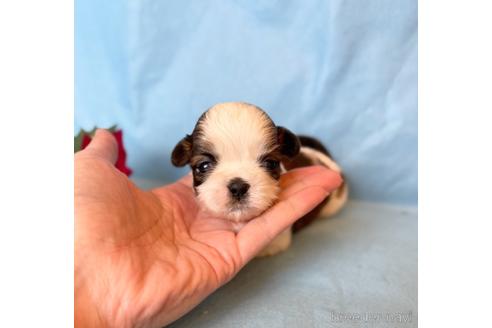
x,y
239,207
242,211
239,203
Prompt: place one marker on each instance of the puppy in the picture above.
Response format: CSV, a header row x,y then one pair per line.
x,y
237,155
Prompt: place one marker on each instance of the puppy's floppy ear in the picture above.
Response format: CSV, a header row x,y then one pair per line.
x,y
182,151
288,141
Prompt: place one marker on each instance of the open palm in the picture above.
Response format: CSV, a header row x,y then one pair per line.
x,y
144,258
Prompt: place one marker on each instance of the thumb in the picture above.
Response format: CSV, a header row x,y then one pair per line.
x,y
103,145
309,187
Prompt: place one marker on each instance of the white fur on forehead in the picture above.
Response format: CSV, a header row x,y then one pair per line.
x,y
238,131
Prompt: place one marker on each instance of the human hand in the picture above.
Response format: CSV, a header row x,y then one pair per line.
x,y
145,258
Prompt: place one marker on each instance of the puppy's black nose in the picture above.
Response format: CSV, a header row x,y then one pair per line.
x,y
238,188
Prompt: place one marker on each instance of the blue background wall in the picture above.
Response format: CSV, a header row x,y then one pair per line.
x,y
343,71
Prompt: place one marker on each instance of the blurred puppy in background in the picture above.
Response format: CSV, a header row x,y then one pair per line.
x,y
237,155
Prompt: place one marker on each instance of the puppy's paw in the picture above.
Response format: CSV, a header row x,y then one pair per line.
x,y
278,245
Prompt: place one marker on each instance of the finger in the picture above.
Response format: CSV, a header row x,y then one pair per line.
x,y
295,180
103,145
262,230
298,174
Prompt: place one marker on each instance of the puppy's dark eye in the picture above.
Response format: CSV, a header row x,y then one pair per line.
x,y
203,167
271,164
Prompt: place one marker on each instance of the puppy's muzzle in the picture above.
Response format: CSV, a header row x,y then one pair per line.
x,y
238,188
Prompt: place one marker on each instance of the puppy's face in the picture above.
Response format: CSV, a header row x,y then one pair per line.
x,y
235,152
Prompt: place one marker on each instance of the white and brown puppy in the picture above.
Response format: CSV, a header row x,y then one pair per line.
x,y
237,154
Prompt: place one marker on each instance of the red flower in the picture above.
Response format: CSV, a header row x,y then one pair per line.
x,y
121,161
